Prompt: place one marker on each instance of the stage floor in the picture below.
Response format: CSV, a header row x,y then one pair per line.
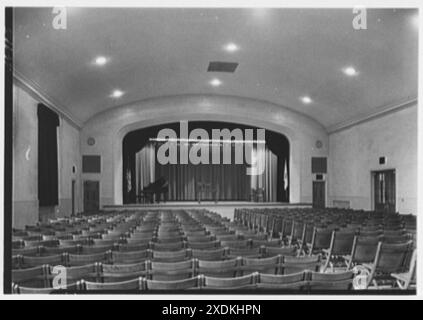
x,y
224,208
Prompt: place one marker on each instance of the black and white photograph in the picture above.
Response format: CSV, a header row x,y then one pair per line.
x,y
200,151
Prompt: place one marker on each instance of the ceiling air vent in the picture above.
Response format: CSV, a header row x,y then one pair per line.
x,y
219,66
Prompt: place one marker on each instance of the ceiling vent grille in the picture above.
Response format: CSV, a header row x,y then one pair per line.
x,y
219,66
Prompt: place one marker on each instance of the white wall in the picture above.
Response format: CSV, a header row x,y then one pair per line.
x,y
25,161
355,152
109,128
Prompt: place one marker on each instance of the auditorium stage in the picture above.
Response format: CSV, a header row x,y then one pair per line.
x,y
224,208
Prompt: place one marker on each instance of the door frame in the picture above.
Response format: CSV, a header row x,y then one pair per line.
x,y
83,192
372,186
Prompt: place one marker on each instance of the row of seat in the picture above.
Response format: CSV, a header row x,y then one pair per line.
x,y
163,244
80,224
271,221
80,254
106,238
319,238
384,256
109,256
175,270
352,249
304,281
383,249
41,277
147,230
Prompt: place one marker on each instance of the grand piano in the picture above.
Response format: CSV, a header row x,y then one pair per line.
x,y
154,191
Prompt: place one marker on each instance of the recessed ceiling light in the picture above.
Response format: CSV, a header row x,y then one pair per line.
x,y
350,71
306,100
117,93
231,47
100,61
215,82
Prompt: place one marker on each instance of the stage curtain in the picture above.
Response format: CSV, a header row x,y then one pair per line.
x,y
145,168
230,181
267,181
48,121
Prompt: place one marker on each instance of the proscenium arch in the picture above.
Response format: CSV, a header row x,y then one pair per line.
x,y
112,125
135,140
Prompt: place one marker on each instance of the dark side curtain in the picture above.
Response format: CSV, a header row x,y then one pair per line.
x,y
48,121
279,145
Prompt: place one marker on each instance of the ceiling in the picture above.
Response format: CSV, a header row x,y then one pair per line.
x,y
284,54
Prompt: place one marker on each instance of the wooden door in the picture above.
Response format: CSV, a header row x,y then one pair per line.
x,y
319,194
384,191
91,196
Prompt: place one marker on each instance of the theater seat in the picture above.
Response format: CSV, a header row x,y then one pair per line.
x,y
237,283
